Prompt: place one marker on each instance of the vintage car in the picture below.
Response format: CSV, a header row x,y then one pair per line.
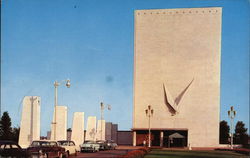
x,y
111,144
89,145
103,144
44,148
70,147
12,149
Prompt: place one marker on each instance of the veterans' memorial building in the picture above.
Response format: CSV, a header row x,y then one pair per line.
x,y
177,72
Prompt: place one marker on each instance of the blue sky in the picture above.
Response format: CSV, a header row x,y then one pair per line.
x,y
91,42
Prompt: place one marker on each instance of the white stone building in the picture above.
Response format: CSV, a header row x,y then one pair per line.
x,y
177,71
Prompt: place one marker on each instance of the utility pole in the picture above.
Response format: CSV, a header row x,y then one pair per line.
x,y
56,84
149,113
102,117
231,115
102,108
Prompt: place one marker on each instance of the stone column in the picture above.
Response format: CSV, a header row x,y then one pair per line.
x,y
134,138
161,138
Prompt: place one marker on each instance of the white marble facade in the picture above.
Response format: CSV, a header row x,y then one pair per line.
x,y
177,55
30,121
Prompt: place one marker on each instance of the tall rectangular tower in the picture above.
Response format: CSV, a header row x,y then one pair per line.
x,y
91,128
60,124
100,131
78,128
177,72
30,121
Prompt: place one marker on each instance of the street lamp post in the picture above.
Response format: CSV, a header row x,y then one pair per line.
x,y
231,115
56,84
149,114
102,118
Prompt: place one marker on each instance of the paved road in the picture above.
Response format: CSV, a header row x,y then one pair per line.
x,y
104,154
107,153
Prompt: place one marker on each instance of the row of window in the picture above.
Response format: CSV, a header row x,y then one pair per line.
x,y
179,12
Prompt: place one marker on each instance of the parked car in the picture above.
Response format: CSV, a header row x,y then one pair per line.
x,y
70,147
46,149
91,146
103,144
12,149
111,144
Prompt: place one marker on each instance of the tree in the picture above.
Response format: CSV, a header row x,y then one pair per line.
x,y
241,136
5,127
224,132
15,134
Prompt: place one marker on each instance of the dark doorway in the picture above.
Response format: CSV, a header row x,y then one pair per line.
x,y
156,138
175,138
142,136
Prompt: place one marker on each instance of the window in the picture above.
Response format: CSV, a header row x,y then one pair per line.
x,y
71,144
14,146
7,146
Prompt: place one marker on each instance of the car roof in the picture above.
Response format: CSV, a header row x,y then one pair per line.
x,y
43,141
7,142
65,141
89,141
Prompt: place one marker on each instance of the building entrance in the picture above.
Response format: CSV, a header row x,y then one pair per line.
x,y
175,138
142,138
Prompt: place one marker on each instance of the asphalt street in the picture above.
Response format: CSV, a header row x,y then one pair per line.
x,y
121,150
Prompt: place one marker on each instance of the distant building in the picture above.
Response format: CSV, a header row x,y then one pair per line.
x,y
124,138
48,135
30,121
69,133
111,131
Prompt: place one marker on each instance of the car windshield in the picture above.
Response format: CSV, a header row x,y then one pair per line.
x,y
100,141
43,143
52,144
89,142
63,143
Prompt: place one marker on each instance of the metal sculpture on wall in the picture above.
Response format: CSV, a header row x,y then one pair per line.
x,y
173,105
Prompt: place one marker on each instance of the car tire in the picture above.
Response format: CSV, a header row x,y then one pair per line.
x,y
60,155
46,155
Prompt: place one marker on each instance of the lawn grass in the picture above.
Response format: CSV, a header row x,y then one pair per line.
x,y
161,153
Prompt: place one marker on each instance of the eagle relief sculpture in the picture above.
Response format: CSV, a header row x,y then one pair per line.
x,y
173,105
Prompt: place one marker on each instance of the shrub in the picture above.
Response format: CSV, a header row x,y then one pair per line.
x,y
139,153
